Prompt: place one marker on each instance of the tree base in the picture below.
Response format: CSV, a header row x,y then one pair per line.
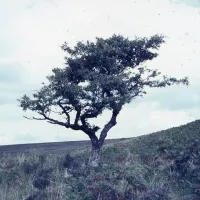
x,y
95,158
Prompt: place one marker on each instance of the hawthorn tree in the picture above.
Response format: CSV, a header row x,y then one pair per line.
x,y
98,76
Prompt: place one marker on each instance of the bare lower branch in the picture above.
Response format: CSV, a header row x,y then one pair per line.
x,y
34,118
64,111
72,126
53,121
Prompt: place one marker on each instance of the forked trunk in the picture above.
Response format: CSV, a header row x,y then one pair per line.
x,y
95,157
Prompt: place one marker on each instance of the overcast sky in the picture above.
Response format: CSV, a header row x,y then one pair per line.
x,y
32,32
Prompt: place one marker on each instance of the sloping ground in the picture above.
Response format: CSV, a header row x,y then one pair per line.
x,y
176,139
160,166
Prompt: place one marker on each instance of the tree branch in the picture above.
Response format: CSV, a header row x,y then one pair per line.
x,y
78,113
108,126
64,111
53,121
34,118
86,116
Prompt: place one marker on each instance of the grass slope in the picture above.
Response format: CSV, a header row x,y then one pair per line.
x,y
159,166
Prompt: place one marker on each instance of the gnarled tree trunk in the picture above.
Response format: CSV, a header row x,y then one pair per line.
x,y
95,156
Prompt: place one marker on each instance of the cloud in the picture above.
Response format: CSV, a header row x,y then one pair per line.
x,y
12,84
10,113
174,98
9,74
192,3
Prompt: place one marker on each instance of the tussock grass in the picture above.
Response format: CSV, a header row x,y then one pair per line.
x,y
160,166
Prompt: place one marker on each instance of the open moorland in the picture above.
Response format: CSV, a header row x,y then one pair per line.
x,y
159,166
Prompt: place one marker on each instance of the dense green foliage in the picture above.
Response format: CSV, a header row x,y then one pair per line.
x,y
160,166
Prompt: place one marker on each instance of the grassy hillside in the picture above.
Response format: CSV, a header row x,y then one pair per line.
x,y
159,166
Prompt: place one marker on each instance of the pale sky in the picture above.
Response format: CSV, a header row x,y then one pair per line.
x,y
32,32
